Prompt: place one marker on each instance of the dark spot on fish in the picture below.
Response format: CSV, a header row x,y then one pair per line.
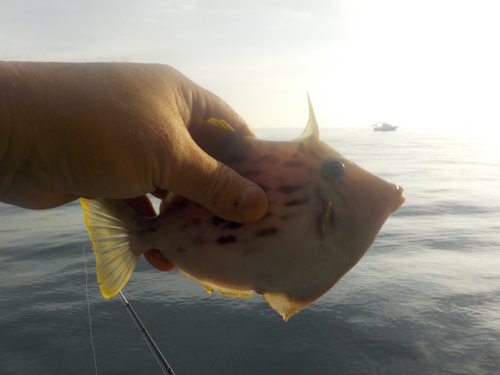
x,y
224,240
217,220
180,250
295,155
313,154
234,225
252,173
231,225
236,158
269,158
297,202
287,189
266,232
288,216
300,147
293,164
181,204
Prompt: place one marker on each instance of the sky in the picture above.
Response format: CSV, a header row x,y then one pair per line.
x,y
426,63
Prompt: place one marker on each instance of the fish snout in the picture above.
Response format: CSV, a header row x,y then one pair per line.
x,y
399,197
388,195
376,195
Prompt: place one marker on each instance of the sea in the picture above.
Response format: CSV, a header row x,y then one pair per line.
x,y
425,299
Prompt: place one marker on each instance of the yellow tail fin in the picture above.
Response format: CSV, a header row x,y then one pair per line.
x,y
108,224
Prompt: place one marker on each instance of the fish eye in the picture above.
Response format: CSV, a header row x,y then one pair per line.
x,y
332,170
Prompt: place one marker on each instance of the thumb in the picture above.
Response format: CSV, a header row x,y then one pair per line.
x,y
218,188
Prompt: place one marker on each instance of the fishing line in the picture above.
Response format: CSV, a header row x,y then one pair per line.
x,y
88,303
162,362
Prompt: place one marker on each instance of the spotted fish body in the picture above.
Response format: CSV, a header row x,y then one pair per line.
x,y
324,212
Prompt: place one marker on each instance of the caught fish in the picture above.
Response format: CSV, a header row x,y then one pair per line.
x,y
324,212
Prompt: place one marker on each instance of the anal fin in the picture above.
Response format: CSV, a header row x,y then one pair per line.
x,y
221,290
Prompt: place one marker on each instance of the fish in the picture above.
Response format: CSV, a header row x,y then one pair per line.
x,y
324,212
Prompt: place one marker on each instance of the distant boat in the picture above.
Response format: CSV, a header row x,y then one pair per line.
x,y
383,127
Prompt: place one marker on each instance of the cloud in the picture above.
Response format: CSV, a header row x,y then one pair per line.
x,y
96,28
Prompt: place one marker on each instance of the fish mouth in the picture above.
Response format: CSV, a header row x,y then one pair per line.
x,y
395,197
399,191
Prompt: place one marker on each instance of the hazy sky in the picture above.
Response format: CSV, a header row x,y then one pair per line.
x,y
412,63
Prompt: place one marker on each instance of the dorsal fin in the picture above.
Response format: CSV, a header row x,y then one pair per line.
x,y
223,126
312,130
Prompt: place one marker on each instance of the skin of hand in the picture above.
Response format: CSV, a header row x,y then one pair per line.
x,y
114,130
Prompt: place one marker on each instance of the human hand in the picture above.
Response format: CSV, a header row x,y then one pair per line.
x,y
113,131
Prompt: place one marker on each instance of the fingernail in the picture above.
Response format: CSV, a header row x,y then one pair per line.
x,y
253,205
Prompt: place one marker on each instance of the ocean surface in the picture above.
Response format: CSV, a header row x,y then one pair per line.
x,y
425,299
